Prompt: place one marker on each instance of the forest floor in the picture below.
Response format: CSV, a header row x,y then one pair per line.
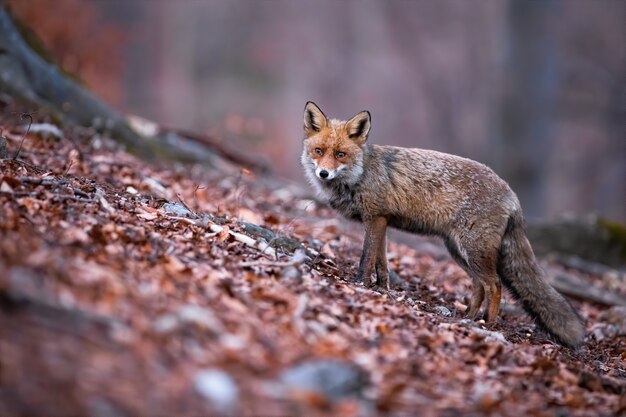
x,y
131,288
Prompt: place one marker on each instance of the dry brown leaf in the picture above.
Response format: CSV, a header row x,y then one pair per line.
x,y
148,216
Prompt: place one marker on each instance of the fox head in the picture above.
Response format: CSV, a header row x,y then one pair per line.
x,y
333,149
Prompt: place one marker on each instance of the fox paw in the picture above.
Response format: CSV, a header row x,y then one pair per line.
x,y
382,288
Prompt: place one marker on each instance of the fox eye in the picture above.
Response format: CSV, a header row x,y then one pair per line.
x,y
340,155
319,151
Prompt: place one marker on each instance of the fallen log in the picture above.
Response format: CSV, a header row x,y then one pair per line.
x,y
590,238
574,288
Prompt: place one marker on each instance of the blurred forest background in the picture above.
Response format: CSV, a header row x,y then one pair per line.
x,y
535,89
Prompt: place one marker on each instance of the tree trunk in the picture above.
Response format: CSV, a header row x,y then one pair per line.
x,y
528,89
29,79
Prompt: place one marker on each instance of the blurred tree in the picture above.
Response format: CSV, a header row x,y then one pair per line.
x,y
533,89
30,80
528,94
89,46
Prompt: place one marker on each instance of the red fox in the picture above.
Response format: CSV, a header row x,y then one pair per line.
x,y
422,191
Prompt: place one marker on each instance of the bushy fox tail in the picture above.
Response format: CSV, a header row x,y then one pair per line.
x,y
521,274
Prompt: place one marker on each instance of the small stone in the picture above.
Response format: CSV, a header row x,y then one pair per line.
x,y
460,306
200,316
188,314
43,130
6,188
292,274
218,388
394,280
165,324
177,209
156,187
444,311
489,335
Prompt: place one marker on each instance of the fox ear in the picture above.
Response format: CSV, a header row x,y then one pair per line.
x,y
359,127
314,119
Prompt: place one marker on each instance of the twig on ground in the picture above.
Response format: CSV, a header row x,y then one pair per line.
x,y
69,166
54,196
37,180
23,116
81,193
246,240
180,199
74,198
287,227
18,193
195,190
184,220
297,259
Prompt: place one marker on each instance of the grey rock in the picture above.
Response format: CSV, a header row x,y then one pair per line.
x,y
335,379
444,311
395,281
177,209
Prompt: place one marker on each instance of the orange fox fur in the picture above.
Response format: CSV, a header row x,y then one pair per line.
x,y
422,191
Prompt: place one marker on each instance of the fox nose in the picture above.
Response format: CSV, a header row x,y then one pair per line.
x,y
323,174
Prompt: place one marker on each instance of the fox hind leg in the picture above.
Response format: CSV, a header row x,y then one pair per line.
x,y
494,295
485,287
459,254
476,301
479,262
482,270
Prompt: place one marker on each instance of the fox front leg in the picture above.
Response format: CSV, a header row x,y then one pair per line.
x,y
374,232
382,269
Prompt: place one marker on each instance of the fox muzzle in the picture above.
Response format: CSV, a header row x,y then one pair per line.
x,y
325,175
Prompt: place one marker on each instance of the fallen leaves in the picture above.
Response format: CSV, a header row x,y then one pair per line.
x,y
152,290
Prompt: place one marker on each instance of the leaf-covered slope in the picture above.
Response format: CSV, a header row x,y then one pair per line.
x,y
129,288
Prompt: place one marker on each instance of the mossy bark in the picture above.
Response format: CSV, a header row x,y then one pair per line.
x,y
590,238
